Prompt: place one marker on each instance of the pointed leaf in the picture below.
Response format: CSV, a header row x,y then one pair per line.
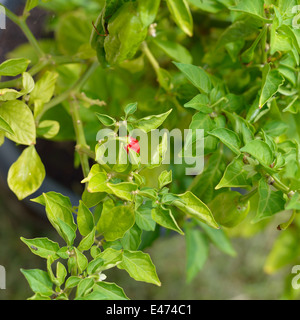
x,y
19,117
235,176
13,67
229,138
42,247
196,75
27,174
181,14
197,248
139,266
270,202
194,207
115,222
39,281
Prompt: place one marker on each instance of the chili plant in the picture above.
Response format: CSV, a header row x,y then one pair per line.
x,y
230,68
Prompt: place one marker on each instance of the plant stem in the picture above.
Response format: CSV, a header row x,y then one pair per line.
x,y
285,225
80,136
21,23
86,150
72,90
150,57
249,195
280,185
32,40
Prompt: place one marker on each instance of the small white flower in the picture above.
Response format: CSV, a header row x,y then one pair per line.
x,y
152,30
102,276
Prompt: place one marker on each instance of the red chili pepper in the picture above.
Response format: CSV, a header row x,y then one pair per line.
x,y
133,145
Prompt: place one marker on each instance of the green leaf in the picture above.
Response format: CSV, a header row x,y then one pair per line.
x,y
229,138
13,67
27,174
72,31
19,117
61,273
270,202
31,4
240,29
151,122
174,50
252,7
196,75
210,177
98,183
126,34
115,222
82,261
59,208
144,219
9,94
132,238
219,239
85,219
66,231
43,91
181,14
208,6
5,126
48,129
42,247
106,291
164,178
123,190
84,287
271,82
166,219
95,265
106,120
110,258
248,55
294,203
27,83
72,282
193,206
130,108
148,10
39,281
260,151
235,176
200,102
197,248
87,242
139,266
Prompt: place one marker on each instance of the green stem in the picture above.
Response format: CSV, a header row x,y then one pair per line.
x,y
86,150
150,57
80,136
21,23
280,185
32,40
249,195
72,90
285,225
